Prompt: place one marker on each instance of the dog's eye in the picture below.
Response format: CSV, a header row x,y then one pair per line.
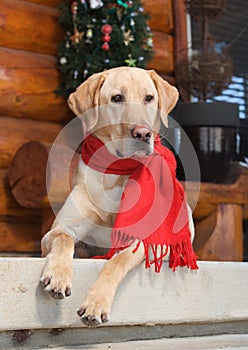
x,y
148,98
117,98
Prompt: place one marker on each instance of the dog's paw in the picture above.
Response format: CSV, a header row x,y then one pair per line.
x,y
56,281
95,310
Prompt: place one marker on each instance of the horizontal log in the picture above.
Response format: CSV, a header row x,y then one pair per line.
x,y
213,194
14,133
20,237
27,26
30,179
160,11
27,86
51,3
163,60
10,210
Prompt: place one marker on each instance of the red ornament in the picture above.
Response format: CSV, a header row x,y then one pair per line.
x,y
74,7
106,29
105,46
106,38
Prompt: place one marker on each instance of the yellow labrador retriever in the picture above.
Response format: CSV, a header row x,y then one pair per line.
x,y
133,97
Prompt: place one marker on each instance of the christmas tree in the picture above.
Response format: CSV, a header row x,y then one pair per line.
x,y
101,34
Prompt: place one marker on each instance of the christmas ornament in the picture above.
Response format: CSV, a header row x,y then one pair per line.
x,y
89,35
104,33
75,74
74,8
131,62
106,30
149,42
112,7
96,4
63,60
106,38
122,3
128,37
132,23
76,37
105,46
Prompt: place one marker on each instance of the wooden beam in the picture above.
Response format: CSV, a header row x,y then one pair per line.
x,y
10,210
204,229
27,87
20,236
213,194
31,180
180,40
51,3
163,59
160,12
226,241
15,132
29,26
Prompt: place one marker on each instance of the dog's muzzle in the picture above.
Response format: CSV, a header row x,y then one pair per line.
x,y
138,144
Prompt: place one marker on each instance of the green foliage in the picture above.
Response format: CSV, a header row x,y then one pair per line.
x,y
80,54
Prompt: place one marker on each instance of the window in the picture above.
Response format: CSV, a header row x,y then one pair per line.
x,y
231,29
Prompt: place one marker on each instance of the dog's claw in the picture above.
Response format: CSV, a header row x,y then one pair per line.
x,y
68,292
104,317
44,281
54,292
91,320
80,312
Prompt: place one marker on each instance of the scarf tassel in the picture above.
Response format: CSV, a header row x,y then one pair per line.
x,y
180,254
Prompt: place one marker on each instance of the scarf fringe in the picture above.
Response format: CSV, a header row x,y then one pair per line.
x,y
180,254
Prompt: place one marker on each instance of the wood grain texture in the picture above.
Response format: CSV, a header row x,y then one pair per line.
x,y
180,39
29,26
204,229
10,210
213,194
163,60
14,133
20,236
161,18
31,180
27,87
226,241
51,3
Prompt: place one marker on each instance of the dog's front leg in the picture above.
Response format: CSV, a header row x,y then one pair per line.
x,y
98,301
57,273
58,244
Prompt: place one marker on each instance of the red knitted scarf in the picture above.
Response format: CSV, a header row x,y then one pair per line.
x,y
153,207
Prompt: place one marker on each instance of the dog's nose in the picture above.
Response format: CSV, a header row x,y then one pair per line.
x,y
141,133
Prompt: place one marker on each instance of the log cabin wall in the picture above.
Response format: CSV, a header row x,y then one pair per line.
x,y
29,108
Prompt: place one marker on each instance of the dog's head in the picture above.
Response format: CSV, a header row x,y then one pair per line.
x,y
123,107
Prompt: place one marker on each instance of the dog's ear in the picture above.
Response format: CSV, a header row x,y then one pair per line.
x,y
86,98
168,96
